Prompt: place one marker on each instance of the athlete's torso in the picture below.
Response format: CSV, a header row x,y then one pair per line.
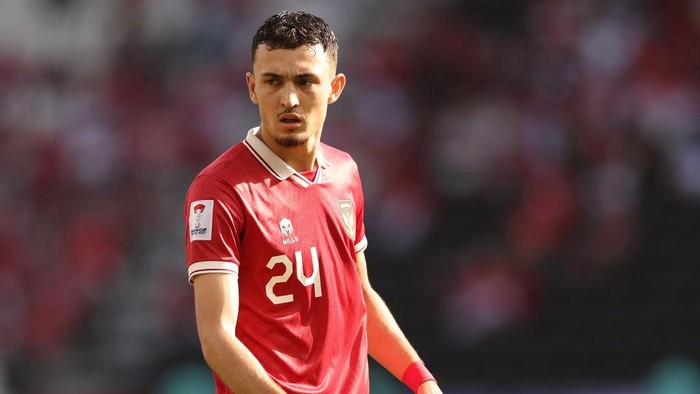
x,y
302,313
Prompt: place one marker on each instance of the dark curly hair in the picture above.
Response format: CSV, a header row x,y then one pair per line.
x,y
291,30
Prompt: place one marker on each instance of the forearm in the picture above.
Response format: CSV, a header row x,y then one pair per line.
x,y
236,365
216,307
387,343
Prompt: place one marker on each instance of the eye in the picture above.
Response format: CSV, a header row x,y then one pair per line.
x,y
272,82
305,82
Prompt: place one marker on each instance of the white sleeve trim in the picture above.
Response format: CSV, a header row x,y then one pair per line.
x,y
361,246
205,267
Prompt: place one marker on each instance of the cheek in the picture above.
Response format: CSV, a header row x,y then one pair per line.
x,y
319,99
267,102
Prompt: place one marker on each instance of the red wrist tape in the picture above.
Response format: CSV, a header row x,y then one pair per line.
x,y
416,374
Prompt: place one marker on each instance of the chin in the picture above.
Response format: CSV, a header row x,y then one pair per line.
x,y
291,141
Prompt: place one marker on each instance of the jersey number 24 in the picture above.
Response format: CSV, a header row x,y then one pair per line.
x,y
313,280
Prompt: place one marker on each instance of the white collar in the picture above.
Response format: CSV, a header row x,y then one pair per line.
x,y
274,164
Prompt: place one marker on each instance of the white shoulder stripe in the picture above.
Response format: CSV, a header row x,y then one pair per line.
x,y
202,267
361,246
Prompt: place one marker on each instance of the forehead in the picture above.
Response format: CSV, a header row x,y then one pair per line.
x,y
304,59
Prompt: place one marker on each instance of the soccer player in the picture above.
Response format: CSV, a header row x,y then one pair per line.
x,y
275,238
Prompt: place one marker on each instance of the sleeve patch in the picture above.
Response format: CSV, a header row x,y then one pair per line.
x,y
200,220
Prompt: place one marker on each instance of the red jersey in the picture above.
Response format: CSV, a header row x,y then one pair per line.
x,y
292,243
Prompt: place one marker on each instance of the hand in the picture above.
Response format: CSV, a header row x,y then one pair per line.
x,y
429,387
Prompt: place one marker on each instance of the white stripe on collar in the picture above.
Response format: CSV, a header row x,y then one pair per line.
x,y
274,164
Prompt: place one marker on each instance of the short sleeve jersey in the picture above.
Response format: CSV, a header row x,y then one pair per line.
x,y
292,243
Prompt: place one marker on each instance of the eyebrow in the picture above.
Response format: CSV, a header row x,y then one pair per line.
x,y
302,75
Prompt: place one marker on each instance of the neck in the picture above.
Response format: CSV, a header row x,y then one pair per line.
x,y
301,158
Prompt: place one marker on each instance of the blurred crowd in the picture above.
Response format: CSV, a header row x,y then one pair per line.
x,y
498,141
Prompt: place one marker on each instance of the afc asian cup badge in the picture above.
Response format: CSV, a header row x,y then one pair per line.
x,y
201,217
347,215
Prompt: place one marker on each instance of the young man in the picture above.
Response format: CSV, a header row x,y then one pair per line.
x,y
275,238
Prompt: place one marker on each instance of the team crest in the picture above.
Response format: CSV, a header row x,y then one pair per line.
x,y
347,214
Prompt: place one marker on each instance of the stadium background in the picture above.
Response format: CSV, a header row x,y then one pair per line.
x,y
532,176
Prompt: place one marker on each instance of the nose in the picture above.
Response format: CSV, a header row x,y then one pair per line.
x,y
290,99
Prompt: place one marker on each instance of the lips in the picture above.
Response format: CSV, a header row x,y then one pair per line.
x,y
290,118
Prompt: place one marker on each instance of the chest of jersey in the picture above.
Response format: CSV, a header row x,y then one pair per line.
x,y
298,244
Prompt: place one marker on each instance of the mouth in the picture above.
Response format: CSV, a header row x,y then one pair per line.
x,y
290,119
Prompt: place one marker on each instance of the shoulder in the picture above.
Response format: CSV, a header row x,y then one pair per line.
x,y
342,169
221,175
337,157
228,163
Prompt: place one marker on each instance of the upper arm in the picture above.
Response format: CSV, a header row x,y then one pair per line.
x,y
214,221
362,270
216,302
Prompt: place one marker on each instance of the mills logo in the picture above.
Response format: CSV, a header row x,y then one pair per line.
x,y
201,215
287,230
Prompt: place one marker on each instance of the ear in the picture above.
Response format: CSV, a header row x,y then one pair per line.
x,y
337,86
250,81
